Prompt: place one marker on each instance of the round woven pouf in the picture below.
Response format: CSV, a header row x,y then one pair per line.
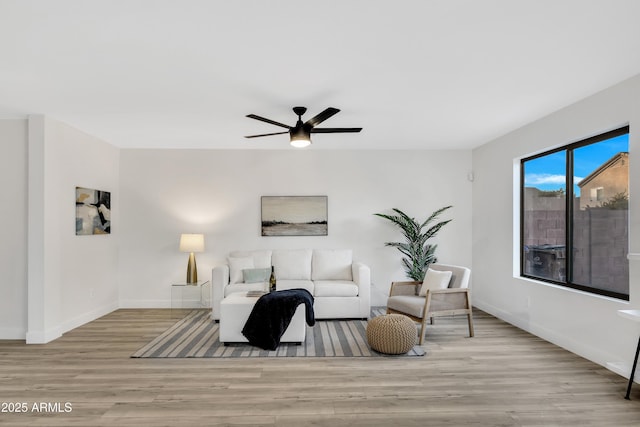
x,y
391,334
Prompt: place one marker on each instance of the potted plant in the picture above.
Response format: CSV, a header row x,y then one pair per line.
x,y
418,253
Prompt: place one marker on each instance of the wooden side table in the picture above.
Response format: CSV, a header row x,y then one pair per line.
x,y
635,316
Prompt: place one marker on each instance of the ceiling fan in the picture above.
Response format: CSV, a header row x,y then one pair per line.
x,y
300,134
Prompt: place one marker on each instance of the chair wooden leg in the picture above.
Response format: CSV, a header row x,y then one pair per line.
x,y
423,327
470,314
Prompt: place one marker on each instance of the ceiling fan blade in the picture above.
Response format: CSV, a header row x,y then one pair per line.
x,y
266,134
315,121
334,130
262,119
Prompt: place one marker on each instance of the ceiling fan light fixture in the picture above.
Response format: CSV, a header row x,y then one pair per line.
x,y
300,143
300,139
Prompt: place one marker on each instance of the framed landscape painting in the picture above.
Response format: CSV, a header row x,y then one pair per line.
x,y
294,216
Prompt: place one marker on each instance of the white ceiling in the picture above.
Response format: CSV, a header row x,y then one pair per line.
x,y
447,74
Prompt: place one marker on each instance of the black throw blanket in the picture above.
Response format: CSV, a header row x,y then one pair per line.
x,y
272,314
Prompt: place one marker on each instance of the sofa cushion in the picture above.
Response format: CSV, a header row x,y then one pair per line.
x,y
292,264
434,280
335,288
331,264
281,285
256,275
236,265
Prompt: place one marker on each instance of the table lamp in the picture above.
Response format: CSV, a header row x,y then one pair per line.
x,y
192,243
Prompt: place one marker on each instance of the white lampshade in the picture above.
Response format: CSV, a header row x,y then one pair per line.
x,y
192,243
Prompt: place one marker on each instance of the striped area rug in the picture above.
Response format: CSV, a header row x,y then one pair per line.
x,y
197,336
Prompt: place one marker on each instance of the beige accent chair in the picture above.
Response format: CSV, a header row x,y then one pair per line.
x,y
454,300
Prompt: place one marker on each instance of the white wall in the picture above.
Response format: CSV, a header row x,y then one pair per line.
x,y
217,192
13,233
72,279
583,323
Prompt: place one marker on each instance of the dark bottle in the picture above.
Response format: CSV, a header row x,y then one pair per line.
x,y
272,281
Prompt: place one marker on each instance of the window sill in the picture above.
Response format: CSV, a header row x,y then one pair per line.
x,y
573,290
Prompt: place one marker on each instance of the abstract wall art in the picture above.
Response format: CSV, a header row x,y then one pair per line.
x,y
93,212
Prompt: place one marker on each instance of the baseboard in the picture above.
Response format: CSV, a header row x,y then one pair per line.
x,y
624,370
12,333
88,317
43,337
145,303
594,355
186,303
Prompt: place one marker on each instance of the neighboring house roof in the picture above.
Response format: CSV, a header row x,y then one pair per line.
x,y
623,155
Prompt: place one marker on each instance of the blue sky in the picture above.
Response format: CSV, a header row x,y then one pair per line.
x,y
548,172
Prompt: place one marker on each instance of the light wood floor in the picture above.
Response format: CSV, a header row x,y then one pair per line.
x,y
501,377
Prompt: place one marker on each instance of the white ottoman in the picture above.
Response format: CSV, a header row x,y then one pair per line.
x,y
235,310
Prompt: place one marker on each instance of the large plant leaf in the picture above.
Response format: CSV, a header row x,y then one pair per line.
x,y
434,215
418,254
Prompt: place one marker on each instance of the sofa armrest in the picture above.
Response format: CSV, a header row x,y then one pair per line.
x,y
362,277
361,274
219,280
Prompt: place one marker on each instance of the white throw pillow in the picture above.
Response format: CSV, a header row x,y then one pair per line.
x,y
435,280
292,264
331,264
236,265
261,259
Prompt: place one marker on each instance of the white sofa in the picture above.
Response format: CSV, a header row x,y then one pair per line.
x,y
340,287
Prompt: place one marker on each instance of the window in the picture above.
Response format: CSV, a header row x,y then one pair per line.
x,y
574,217
597,194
